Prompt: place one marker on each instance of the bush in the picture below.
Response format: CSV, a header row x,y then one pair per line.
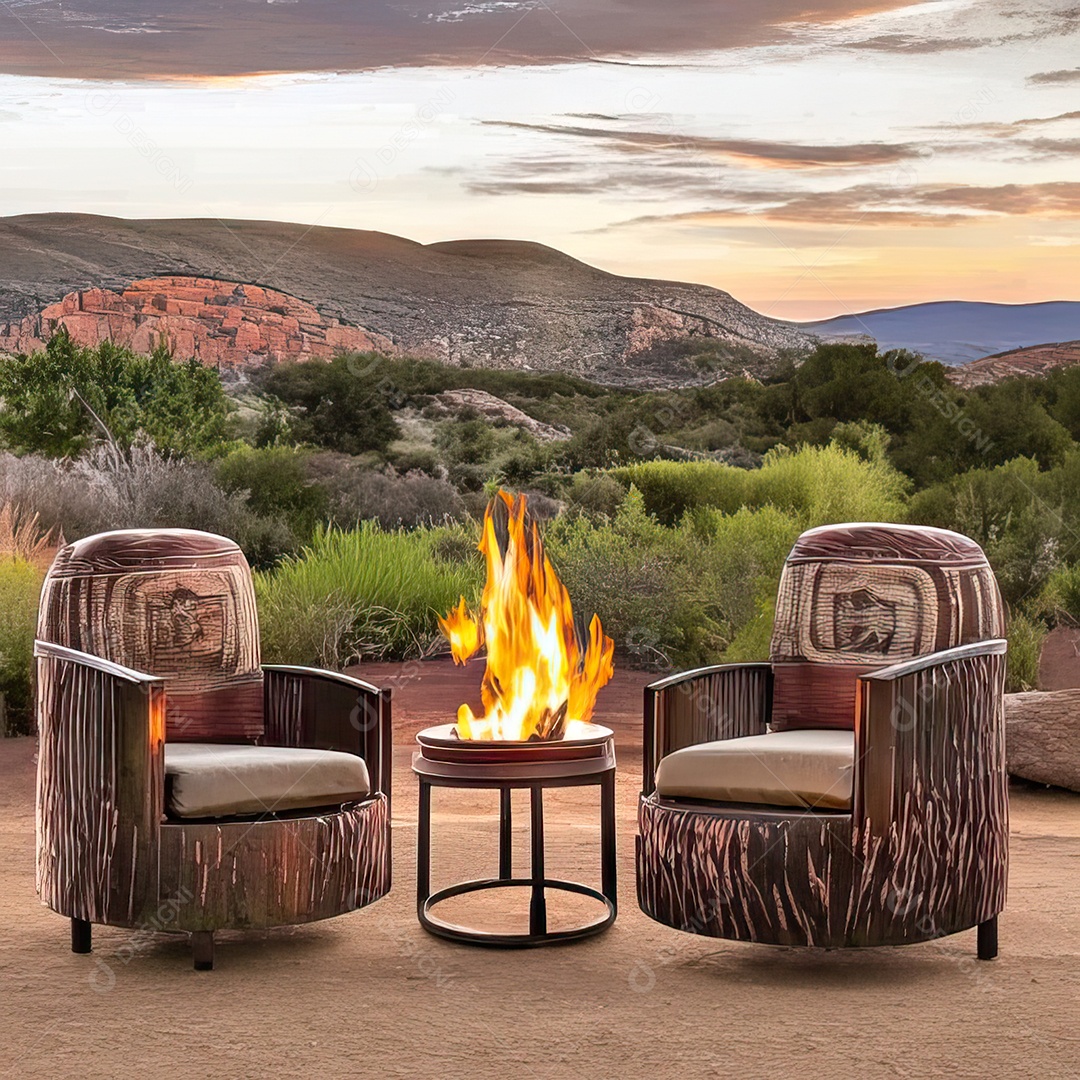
x,y
1025,647
670,488
636,575
1002,510
394,501
600,494
363,593
332,404
51,401
20,586
741,557
820,485
1059,600
673,596
106,490
274,482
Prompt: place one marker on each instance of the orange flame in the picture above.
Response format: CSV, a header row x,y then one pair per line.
x,y
540,679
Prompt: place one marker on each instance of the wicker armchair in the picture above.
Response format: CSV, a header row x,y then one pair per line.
x,y
175,772
852,791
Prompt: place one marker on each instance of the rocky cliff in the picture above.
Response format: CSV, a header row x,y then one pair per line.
x,y
311,291
222,323
1033,360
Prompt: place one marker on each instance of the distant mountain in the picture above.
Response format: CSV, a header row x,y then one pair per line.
x,y
958,331
1034,360
237,292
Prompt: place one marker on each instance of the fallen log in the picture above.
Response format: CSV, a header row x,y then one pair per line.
x,y
1042,737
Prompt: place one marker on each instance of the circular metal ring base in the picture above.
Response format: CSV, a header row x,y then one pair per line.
x,y
452,932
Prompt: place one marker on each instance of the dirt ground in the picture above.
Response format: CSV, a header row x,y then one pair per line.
x,y
371,995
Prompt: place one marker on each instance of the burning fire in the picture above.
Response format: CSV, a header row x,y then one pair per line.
x,y
541,678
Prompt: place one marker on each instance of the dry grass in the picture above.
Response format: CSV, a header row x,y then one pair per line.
x,y
22,536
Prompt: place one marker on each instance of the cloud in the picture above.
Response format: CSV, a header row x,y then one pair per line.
x,y
884,205
912,44
761,152
1054,78
206,37
1051,147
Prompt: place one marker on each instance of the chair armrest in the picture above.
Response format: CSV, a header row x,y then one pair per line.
x,y
101,783
930,740
721,702
326,710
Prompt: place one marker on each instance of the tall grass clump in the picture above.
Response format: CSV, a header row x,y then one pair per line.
x,y
1026,638
365,593
20,585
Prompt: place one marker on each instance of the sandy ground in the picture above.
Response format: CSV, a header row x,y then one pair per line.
x,y
370,994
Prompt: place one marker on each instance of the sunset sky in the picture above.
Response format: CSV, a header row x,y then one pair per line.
x,y
811,165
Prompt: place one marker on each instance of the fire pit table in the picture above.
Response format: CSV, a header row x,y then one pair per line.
x,y
586,757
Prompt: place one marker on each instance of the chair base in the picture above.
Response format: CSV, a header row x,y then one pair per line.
x,y
988,939
698,869
202,950
81,936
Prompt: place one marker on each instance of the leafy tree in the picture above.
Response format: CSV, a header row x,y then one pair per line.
x,y
59,401
338,405
276,484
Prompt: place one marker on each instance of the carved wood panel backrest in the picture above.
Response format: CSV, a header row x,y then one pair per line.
x,y
170,602
858,597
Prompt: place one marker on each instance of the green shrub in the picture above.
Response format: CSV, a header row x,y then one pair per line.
x,y
670,488
51,402
1059,599
826,485
634,574
1025,647
753,639
1005,511
820,485
362,593
740,557
599,494
673,596
335,405
274,480
20,586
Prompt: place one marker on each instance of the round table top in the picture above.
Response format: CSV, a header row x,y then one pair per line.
x,y
445,757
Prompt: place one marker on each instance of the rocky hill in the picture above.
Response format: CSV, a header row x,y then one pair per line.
x,y
238,292
1034,360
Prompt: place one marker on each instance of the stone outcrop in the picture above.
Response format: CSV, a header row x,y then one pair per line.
x,y
1042,737
222,323
496,411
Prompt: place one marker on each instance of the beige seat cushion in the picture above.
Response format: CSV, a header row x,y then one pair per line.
x,y
211,780
784,768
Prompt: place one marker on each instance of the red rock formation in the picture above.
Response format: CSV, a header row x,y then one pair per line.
x,y
1029,361
221,323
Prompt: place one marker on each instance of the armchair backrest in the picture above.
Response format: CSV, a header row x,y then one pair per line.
x,y
174,603
858,597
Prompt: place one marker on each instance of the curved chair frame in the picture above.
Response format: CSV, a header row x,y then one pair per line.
x,y
922,854
107,853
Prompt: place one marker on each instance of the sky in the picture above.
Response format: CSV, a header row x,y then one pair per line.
x,y
809,164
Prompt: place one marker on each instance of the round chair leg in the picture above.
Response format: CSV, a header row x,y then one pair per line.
x,y
988,939
202,949
81,935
